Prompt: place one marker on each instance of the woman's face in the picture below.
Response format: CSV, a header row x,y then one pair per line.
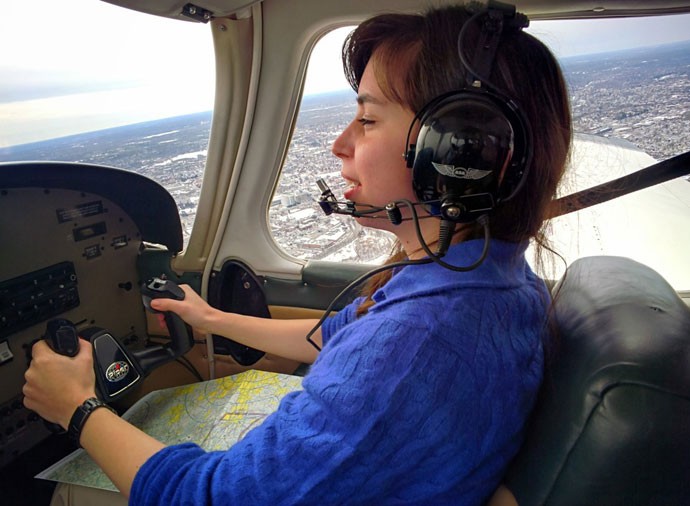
x,y
371,150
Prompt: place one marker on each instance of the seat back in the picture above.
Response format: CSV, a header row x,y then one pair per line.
x,y
612,425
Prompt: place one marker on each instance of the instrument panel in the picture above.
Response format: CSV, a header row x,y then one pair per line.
x,y
71,253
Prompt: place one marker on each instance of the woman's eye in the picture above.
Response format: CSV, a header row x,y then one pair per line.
x,y
364,121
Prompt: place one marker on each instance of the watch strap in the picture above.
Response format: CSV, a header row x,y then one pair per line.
x,y
81,414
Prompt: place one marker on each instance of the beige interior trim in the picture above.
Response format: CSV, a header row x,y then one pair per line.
x,y
237,56
293,313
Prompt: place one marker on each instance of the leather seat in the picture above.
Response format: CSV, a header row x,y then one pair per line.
x,y
612,425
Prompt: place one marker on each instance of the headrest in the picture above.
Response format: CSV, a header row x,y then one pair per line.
x,y
612,425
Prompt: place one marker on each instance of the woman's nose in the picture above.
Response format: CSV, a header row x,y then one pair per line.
x,y
342,146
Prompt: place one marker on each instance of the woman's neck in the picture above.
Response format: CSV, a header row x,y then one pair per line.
x,y
430,232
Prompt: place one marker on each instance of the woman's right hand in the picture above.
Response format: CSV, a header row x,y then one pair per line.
x,y
193,309
284,338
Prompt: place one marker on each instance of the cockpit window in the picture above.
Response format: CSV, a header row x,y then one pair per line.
x,y
630,109
81,89
297,223
629,99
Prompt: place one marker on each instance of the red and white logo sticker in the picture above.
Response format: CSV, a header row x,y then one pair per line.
x,y
116,371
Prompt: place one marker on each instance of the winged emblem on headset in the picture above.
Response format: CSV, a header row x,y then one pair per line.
x,y
460,172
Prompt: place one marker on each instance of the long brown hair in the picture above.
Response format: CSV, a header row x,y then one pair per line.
x,y
417,60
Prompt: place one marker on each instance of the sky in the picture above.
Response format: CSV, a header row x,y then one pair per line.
x,y
85,64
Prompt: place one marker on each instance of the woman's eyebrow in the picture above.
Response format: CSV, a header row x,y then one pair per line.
x,y
366,98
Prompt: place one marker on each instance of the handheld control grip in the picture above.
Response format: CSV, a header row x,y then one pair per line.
x,y
180,333
115,370
62,337
157,288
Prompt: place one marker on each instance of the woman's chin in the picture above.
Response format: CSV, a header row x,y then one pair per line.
x,y
381,223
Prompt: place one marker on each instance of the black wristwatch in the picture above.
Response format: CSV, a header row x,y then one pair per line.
x,y
81,414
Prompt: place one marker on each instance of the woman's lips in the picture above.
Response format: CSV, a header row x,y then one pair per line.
x,y
351,191
352,187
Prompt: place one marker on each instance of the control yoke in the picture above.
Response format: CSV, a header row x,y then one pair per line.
x,y
118,369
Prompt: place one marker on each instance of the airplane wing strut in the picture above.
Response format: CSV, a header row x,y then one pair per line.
x,y
649,176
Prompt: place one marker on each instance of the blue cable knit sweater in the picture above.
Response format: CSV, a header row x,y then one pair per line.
x,y
421,401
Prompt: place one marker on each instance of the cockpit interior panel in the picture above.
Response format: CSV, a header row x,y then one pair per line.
x,y
70,249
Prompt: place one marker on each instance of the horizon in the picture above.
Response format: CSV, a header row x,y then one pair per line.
x,y
580,58
46,92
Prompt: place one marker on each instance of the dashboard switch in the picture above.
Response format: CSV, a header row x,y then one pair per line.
x,y
5,353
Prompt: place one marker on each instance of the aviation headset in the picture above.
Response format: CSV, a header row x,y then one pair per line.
x,y
474,146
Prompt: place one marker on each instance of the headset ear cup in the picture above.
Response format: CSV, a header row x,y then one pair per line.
x,y
465,141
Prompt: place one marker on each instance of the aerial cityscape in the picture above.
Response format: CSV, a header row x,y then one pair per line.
x,y
641,96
